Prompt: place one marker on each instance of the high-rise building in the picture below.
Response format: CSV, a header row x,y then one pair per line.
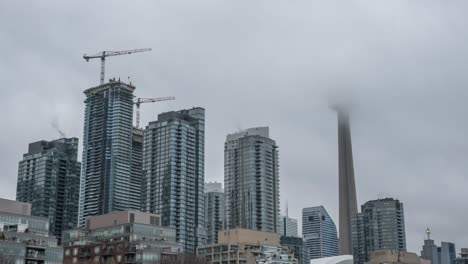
x,y
251,180
288,226
49,179
380,225
446,253
137,169
214,211
106,178
347,186
429,250
463,259
319,233
25,238
173,163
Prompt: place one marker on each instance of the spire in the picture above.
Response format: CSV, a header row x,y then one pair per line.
x,y
428,233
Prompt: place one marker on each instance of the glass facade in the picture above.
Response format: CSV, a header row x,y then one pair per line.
x,y
214,214
319,232
251,181
107,151
380,225
49,179
26,238
173,163
133,243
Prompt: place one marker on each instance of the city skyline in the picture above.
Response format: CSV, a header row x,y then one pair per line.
x,y
407,130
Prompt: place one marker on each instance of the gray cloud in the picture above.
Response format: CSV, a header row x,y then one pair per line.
x,y
275,63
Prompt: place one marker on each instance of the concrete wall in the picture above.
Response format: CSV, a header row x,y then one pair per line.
x,y
14,207
247,236
121,217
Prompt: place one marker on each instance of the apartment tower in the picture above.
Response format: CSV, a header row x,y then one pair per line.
x,y
214,211
251,180
49,179
380,225
106,181
173,165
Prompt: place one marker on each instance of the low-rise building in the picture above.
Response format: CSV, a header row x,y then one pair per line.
x,y
25,238
245,246
120,237
394,256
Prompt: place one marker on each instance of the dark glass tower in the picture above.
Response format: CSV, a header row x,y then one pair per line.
x,y
251,180
214,211
347,186
380,225
49,179
173,164
106,179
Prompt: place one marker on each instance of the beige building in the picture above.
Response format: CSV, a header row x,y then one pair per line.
x,y
395,256
245,246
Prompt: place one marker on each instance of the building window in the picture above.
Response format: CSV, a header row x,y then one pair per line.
x,y
132,218
311,218
75,251
96,250
67,252
119,258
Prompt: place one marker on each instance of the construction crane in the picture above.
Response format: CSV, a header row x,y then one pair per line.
x,y
140,101
102,55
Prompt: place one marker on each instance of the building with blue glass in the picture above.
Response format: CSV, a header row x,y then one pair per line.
x,y
106,180
49,179
173,165
319,233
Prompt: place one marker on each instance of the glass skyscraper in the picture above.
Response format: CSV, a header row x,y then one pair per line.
x,y
49,179
380,225
319,233
106,180
288,226
251,180
173,164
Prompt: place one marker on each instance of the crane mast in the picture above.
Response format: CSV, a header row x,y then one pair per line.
x,y
140,101
104,54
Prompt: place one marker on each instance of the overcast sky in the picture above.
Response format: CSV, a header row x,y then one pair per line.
x,y
402,65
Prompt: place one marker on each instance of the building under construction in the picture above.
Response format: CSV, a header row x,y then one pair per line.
x,y
107,151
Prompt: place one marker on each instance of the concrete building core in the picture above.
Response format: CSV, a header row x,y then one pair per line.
x,y
347,186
